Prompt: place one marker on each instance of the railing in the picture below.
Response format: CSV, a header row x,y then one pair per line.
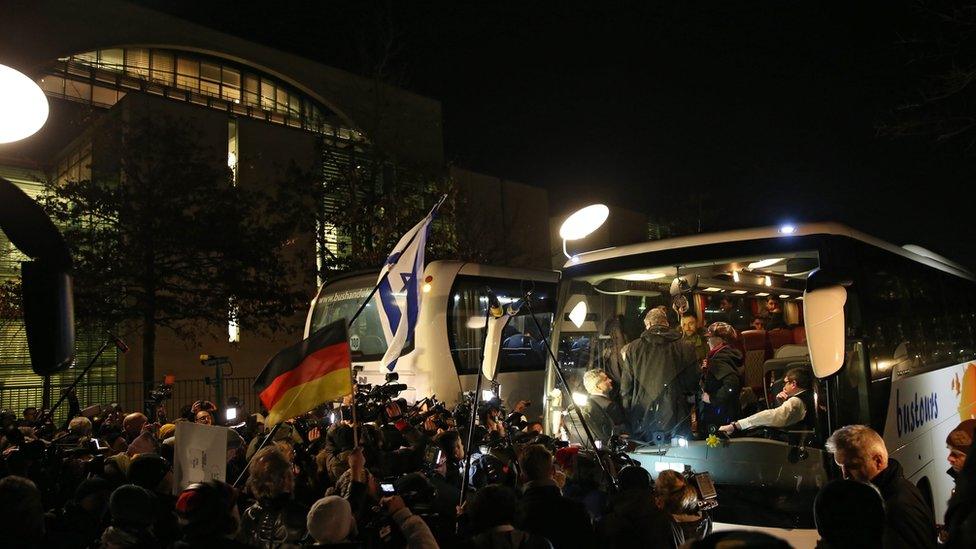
x,y
131,396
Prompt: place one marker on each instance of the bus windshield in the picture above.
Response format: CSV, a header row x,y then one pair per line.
x,y
761,297
342,299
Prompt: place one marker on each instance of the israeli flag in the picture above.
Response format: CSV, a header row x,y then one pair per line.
x,y
400,282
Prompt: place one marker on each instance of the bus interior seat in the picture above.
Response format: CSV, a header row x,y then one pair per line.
x,y
791,350
779,337
754,343
800,335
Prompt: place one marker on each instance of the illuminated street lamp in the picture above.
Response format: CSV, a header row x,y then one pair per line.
x,y
23,106
582,223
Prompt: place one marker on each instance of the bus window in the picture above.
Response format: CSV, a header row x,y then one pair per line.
x,y
342,299
522,347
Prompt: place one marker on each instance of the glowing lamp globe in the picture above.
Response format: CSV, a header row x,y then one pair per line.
x,y
583,222
23,106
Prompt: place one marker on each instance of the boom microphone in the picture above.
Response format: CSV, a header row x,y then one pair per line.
x,y
494,306
516,306
119,344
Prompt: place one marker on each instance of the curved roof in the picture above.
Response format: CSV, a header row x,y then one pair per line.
x,y
33,34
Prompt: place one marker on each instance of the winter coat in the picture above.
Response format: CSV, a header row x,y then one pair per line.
x,y
545,512
634,521
908,518
605,417
720,379
274,524
502,538
659,370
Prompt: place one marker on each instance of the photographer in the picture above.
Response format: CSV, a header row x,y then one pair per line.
x,y
679,499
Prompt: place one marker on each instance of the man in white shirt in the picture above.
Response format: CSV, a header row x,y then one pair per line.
x,y
797,408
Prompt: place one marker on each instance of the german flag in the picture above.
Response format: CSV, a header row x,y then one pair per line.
x,y
303,376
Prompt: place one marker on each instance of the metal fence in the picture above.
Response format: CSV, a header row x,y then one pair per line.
x,y
131,395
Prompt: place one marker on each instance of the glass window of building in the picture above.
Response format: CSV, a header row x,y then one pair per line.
x,y
188,74
231,84
137,62
163,68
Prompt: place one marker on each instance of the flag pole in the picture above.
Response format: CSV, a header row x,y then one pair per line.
x,y
474,411
362,307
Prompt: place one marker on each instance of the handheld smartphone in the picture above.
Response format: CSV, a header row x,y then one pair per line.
x,y
387,489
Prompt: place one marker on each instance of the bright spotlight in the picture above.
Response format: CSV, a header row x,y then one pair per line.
x,y
583,222
578,314
787,229
580,399
23,106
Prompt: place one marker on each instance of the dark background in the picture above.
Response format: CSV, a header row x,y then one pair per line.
x,y
754,112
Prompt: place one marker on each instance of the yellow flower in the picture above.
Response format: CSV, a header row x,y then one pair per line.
x,y
712,441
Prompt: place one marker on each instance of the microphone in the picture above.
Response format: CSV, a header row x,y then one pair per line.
x,y
213,359
119,344
516,306
494,306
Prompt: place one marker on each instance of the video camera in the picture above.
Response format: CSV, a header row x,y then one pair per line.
x,y
702,482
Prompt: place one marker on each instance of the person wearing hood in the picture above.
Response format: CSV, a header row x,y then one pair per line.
x,y
720,382
659,370
958,442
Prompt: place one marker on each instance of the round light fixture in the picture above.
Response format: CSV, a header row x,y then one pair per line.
x,y
23,106
583,222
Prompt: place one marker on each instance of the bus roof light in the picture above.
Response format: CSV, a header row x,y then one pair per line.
x,y
787,228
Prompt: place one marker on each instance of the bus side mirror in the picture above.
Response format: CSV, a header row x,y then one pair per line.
x,y
823,317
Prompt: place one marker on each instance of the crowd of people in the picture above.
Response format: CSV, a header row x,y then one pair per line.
x,y
398,474
397,481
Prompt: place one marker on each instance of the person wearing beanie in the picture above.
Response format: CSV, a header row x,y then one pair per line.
x,y
167,430
154,473
132,508
209,517
330,522
658,371
958,443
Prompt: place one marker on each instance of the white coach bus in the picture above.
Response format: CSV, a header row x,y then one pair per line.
x,y
892,333
445,355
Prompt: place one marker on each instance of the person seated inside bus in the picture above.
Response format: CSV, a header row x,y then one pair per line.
x,y
604,415
798,409
659,372
758,323
720,381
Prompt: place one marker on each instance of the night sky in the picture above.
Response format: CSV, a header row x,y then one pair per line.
x,y
764,111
